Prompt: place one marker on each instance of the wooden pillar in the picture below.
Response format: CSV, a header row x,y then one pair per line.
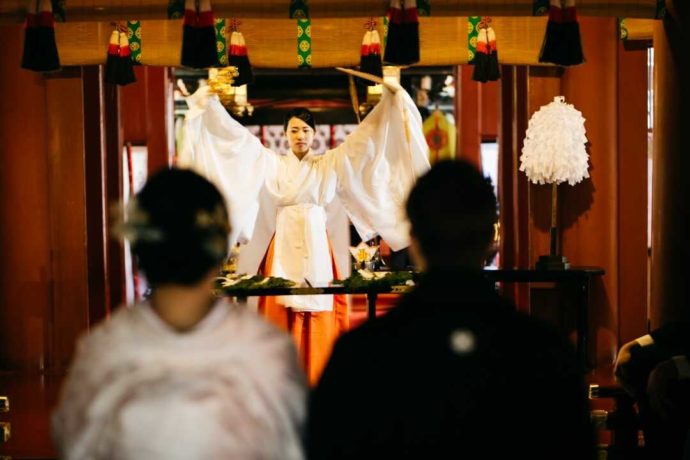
x,y
147,115
589,209
512,186
670,299
468,116
632,192
25,262
66,197
95,186
113,148
160,121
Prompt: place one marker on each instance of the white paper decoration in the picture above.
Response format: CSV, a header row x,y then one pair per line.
x,y
554,149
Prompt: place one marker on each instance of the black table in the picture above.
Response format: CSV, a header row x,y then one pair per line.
x,y
580,277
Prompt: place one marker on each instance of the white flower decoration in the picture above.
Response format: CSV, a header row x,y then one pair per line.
x,y
554,150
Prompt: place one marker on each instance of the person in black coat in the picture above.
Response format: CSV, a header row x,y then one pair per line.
x,y
655,370
453,371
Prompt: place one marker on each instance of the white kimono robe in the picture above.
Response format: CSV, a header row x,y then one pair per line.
x,y
371,173
230,388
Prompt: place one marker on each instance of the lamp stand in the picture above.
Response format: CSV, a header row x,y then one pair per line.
x,y
553,261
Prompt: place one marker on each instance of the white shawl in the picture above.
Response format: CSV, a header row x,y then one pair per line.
x,y
230,388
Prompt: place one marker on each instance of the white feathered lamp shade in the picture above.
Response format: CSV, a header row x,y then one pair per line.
x,y
555,151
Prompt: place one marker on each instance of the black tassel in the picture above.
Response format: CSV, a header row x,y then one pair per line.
x,y
492,68
119,69
370,56
562,43
207,53
572,42
189,39
552,46
402,44
40,50
481,58
240,59
198,37
29,57
112,62
125,69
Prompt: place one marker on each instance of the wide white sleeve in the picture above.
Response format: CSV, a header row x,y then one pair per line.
x,y
378,164
226,153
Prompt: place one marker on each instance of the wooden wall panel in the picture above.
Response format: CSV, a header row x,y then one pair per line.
x,y
134,104
670,289
589,210
160,130
489,100
66,198
632,193
468,112
512,187
25,252
95,185
146,114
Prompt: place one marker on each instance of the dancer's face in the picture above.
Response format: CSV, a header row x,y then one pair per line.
x,y
300,136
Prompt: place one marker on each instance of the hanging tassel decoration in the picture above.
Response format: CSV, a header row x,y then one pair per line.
x,y
486,56
493,70
207,55
239,57
571,35
126,65
111,63
481,56
198,36
119,69
562,44
402,43
40,50
189,35
370,55
552,46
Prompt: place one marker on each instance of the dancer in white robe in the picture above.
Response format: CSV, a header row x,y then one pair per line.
x,y
182,376
278,201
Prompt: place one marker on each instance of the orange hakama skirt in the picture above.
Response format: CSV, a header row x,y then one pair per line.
x,y
314,333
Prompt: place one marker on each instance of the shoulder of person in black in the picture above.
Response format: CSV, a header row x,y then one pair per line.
x,y
500,358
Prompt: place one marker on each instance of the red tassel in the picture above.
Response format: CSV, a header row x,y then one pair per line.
x,y
370,55
119,69
111,62
125,57
240,59
40,50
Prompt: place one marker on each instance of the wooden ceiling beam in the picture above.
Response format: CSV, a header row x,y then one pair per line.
x,y
14,11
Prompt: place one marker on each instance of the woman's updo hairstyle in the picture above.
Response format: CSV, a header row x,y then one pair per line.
x,y
303,114
178,227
